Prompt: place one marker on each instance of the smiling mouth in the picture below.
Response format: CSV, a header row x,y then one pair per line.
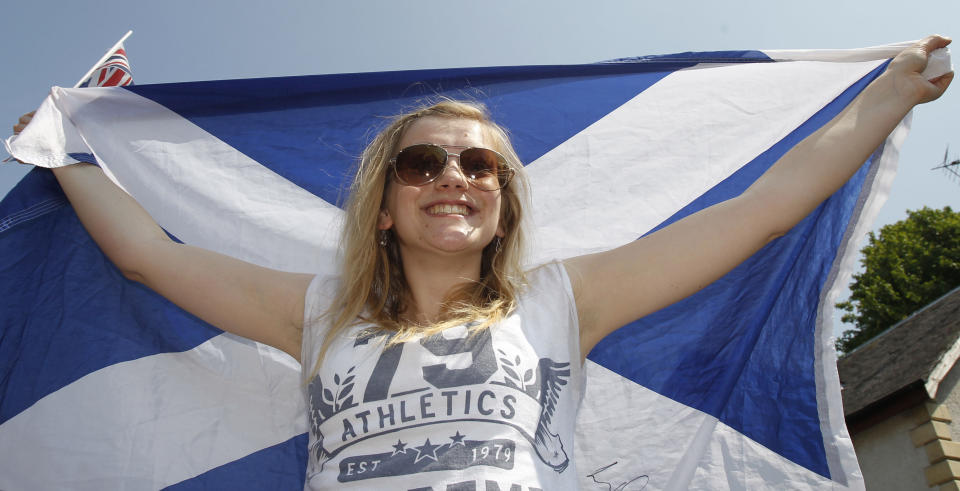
x,y
448,209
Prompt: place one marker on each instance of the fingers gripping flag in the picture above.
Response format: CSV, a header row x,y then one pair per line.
x,y
734,387
112,70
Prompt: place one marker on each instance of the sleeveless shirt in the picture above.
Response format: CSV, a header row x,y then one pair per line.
x,y
489,410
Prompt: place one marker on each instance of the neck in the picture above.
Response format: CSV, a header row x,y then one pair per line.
x,y
431,278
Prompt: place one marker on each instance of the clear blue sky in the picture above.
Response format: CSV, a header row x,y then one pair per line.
x,y
55,42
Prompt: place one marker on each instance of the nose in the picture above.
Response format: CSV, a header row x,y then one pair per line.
x,y
452,176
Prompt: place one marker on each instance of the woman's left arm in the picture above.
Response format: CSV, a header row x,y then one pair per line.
x,y
615,287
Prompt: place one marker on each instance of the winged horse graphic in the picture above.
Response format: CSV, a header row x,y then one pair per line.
x,y
545,388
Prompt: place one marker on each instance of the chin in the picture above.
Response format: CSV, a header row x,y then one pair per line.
x,y
456,244
456,247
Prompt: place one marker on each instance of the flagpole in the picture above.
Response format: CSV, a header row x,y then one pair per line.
x,y
103,58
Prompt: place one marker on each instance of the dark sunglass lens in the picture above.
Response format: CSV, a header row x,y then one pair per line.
x,y
482,167
420,164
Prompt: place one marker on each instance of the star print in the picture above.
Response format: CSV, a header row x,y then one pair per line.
x,y
426,451
458,439
400,447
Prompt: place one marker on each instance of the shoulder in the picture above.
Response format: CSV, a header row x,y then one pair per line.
x,y
321,292
549,278
548,297
317,300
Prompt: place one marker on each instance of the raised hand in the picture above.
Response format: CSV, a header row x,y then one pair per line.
x,y
906,71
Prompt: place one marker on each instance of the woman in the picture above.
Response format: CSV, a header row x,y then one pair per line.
x,y
433,359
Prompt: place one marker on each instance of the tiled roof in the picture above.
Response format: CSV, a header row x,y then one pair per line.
x,y
912,351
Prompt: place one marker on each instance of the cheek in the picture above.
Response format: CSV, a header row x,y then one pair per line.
x,y
400,204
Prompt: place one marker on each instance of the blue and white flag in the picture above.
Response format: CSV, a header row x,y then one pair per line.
x,y
105,385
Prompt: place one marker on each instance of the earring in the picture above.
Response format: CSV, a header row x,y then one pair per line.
x,y
498,245
384,237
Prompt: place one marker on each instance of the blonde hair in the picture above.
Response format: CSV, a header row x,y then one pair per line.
x,y
372,286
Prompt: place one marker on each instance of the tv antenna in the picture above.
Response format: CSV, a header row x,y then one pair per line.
x,y
952,168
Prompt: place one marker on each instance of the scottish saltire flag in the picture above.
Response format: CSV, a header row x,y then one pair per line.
x,y
105,385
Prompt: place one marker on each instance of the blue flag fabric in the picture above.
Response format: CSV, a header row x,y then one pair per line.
x,y
734,387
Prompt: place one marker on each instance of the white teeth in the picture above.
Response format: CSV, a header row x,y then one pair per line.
x,y
448,210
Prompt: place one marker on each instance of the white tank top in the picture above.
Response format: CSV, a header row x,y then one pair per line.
x,y
495,410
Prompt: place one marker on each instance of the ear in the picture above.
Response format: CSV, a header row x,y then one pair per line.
x,y
384,222
501,217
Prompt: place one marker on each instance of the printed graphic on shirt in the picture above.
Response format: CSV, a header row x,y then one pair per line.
x,y
484,485
494,387
427,457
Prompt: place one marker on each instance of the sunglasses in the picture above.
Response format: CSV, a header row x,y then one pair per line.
x,y
423,163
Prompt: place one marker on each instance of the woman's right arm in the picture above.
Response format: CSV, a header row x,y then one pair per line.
x,y
259,303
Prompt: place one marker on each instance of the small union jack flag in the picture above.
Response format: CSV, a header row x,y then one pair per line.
x,y
114,71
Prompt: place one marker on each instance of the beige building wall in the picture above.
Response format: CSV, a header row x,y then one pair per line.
x,y
947,404
888,459
949,396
